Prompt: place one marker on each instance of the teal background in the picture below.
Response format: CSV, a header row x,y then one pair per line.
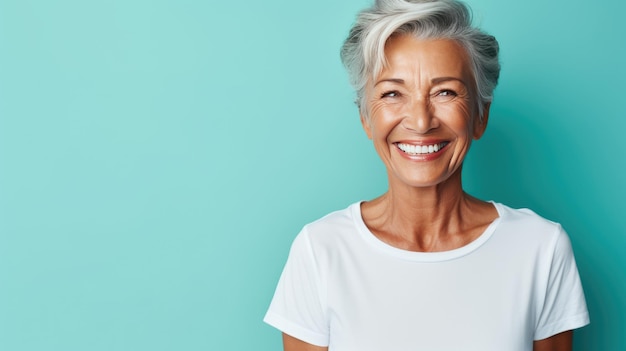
x,y
158,157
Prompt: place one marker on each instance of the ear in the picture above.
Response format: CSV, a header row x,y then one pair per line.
x,y
480,124
366,125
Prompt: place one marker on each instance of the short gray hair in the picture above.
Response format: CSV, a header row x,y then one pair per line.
x,y
363,52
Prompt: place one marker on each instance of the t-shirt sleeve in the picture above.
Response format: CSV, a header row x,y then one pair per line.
x,y
564,307
297,307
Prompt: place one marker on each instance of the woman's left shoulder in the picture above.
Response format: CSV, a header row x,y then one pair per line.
x,y
526,222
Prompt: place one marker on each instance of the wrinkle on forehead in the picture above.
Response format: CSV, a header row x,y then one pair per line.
x,y
420,61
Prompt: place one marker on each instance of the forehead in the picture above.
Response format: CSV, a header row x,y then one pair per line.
x,y
407,55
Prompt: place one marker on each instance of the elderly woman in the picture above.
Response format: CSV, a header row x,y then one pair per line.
x,y
426,266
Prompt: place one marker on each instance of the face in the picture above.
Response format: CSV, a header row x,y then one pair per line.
x,y
421,111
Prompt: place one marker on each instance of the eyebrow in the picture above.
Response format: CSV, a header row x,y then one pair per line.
x,y
446,79
437,80
392,80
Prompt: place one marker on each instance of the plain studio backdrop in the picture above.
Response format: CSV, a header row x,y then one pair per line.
x,y
158,157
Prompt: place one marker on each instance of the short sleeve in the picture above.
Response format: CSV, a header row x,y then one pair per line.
x,y
564,307
297,307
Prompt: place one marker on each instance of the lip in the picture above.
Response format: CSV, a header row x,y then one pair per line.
x,y
422,141
422,157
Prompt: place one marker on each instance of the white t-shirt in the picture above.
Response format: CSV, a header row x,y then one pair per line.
x,y
344,288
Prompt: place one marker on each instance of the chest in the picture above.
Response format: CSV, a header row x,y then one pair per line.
x,y
473,303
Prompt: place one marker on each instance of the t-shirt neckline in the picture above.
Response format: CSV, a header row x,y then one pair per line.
x,y
438,256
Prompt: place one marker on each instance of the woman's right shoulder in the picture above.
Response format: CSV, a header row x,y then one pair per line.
x,y
335,220
337,225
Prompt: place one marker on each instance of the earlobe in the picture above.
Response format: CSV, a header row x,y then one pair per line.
x,y
366,125
480,124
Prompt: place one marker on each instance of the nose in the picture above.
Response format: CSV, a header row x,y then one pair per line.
x,y
418,116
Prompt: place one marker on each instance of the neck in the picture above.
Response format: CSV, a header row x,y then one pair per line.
x,y
433,218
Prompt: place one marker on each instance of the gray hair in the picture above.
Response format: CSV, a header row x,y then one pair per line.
x,y
363,52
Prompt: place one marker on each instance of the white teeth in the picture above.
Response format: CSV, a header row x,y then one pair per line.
x,y
420,149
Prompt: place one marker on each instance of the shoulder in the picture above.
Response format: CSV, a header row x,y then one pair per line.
x,y
334,222
334,231
523,230
527,222
522,215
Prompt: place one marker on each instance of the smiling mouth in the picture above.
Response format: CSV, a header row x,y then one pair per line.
x,y
421,149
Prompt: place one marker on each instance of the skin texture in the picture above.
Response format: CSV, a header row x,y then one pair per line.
x,y
425,95
558,342
292,344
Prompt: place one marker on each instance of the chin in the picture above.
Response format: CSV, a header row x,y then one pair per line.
x,y
424,179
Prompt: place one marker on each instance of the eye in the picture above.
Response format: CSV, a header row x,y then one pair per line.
x,y
445,95
390,94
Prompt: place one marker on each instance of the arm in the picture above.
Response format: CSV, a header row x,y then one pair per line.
x,y
292,344
558,342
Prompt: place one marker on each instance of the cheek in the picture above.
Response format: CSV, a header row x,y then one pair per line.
x,y
458,117
383,118
376,109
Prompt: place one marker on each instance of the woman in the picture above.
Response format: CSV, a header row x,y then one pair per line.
x,y
426,266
